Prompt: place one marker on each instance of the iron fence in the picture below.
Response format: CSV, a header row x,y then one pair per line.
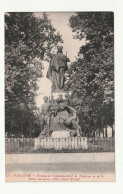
x,y
60,145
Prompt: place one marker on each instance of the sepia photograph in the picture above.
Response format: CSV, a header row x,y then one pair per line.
x,y
59,96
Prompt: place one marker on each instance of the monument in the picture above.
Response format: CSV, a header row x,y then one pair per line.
x,y
57,68
58,118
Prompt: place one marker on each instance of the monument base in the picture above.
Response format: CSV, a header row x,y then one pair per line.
x,y
55,95
60,134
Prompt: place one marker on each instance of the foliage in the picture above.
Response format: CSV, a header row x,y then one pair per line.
x,y
28,41
92,74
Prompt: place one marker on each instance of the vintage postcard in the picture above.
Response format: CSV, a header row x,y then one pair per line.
x,y
59,97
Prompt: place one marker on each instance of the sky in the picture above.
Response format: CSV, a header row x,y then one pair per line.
x,y
60,22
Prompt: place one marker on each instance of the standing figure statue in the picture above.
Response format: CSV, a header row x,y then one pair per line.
x,y
44,117
57,68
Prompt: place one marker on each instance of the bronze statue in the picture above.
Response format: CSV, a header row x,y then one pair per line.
x,y
57,68
64,117
58,116
44,117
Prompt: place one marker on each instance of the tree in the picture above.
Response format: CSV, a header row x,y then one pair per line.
x,y
28,41
92,74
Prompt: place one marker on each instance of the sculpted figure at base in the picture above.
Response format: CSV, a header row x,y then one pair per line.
x,y
44,117
58,116
65,119
57,68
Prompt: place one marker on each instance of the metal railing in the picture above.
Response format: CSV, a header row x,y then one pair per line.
x,y
62,145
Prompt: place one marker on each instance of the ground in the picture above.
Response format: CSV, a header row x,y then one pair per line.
x,y
94,164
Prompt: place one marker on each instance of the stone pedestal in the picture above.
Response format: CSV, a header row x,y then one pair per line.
x,y
60,134
55,95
